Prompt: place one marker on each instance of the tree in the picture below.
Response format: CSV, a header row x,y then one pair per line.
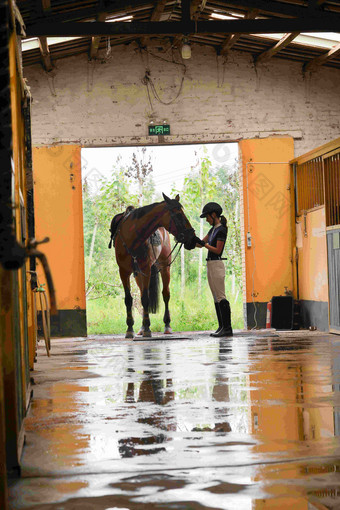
x,y
139,170
100,206
229,196
199,188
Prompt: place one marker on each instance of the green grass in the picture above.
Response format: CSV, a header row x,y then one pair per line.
x,y
107,315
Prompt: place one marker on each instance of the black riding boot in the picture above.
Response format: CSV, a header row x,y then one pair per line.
x,y
219,318
226,329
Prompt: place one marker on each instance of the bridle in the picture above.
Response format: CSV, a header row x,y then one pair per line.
x,y
183,235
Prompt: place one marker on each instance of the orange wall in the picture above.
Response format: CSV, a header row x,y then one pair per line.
x,y
312,253
59,215
268,262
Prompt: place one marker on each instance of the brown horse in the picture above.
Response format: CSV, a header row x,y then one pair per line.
x,y
139,253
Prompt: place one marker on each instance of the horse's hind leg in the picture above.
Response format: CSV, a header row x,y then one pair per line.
x,y
143,284
165,273
128,303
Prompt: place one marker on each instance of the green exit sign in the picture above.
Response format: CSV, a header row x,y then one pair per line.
x,y
159,129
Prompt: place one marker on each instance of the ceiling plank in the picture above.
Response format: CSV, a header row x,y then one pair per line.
x,y
233,38
86,13
322,59
282,43
116,6
240,26
95,40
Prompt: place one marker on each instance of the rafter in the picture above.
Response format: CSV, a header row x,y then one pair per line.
x,y
322,59
233,38
45,53
155,16
158,11
282,43
95,41
137,28
268,7
43,45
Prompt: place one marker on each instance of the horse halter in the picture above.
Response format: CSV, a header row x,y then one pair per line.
x,y
184,235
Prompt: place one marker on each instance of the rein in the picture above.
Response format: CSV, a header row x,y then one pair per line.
x,y
173,260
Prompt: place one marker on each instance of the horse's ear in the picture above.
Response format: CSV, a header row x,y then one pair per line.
x,y
167,199
177,198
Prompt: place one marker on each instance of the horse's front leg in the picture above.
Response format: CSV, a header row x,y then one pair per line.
x,y
165,273
128,303
145,305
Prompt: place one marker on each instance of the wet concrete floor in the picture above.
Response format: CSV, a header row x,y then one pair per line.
x,y
250,422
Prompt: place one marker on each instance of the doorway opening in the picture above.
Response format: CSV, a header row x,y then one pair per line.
x,y
114,178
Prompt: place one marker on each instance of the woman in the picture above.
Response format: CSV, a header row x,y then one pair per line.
x,y
214,242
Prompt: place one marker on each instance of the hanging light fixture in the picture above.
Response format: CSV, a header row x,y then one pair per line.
x,y
186,48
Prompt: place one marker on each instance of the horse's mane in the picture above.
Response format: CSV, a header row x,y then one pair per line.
x,y
142,211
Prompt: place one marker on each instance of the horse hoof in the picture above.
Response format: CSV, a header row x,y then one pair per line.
x,y
130,334
147,334
167,331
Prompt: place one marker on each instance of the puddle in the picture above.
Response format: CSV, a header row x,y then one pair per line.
x,y
250,422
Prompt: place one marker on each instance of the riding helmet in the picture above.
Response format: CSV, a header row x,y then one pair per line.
x,y
211,207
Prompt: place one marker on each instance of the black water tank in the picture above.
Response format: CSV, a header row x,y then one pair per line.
x,y
282,312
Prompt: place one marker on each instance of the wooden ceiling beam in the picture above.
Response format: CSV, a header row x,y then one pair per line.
x,y
322,59
196,6
138,28
46,5
282,43
233,38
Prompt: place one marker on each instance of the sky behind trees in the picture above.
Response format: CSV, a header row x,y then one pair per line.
x,y
170,163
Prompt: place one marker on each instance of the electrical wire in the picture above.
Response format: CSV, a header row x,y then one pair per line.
x,y
147,80
149,83
253,290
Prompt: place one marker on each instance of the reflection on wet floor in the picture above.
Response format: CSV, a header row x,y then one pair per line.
x,y
251,422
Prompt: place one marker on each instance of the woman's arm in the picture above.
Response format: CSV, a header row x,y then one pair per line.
x,y
219,247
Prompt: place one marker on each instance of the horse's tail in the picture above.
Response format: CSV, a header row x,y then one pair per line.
x,y
154,289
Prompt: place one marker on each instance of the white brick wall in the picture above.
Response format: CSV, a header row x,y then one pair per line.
x,y
106,104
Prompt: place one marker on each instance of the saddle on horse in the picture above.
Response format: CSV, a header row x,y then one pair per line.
x,y
116,220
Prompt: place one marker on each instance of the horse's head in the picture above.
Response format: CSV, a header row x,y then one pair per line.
x,y
179,225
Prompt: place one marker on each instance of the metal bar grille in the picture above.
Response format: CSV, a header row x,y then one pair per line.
x,y
309,178
332,189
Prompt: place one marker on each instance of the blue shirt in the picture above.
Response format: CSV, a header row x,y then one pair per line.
x,y
216,234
